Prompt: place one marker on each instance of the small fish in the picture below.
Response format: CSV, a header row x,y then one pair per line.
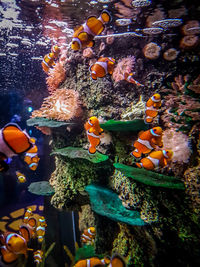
x,y
152,106
83,35
31,156
156,159
27,228
48,62
41,227
55,50
13,244
88,235
147,140
38,255
129,78
103,66
27,215
13,141
94,131
21,177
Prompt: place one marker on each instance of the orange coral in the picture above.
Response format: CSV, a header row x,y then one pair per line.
x,y
61,105
55,77
151,50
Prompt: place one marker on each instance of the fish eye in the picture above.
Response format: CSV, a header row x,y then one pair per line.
x,y
9,244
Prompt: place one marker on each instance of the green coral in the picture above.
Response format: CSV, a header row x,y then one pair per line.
x,y
149,177
124,126
43,122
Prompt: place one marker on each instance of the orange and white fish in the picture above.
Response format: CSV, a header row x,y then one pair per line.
x,y
38,255
55,50
94,131
152,106
13,244
31,156
103,66
83,35
48,62
88,235
28,227
129,78
156,159
20,177
27,215
13,141
147,140
41,227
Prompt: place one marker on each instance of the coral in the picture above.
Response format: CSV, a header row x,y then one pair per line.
x,y
178,143
167,23
158,14
86,218
121,126
136,111
189,41
125,65
149,177
61,105
170,54
55,77
102,46
181,107
43,122
110,40
151,51
148,212
195,86
191,27
126,11
107,203
88,52
41,188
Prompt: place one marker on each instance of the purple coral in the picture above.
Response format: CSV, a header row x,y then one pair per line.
x,y
125,65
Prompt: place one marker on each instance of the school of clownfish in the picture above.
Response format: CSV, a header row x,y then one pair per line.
x,y
14,244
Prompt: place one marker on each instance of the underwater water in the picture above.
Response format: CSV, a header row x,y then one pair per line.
x,y
99,139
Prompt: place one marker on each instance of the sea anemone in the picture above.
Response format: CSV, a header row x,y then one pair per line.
x,y
125,65
178,143
189,41
151,50
61,105
170,54
55,77
88,52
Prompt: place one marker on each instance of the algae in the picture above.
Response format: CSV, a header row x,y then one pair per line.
x,y
124,126
106,203
80,153
43,122
149,177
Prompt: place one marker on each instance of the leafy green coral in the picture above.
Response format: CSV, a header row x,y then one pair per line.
x,y
43,122
124,126
149,177
80,153
107,203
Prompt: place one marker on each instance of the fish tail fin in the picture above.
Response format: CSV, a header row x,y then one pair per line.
x,y
136,154
139,164
148,120
105,16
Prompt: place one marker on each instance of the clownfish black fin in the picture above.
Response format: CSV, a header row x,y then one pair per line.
x,y
105,16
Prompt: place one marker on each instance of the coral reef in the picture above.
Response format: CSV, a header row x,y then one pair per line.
x,y
191,27
61,105
125,65
170,54
178,143
86,218
88,52
151,51
181,107
126,10
189,41
55,77
136,111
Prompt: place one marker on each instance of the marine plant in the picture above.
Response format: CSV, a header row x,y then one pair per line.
x,y
61,105
121,126
181,107
56,76
125,65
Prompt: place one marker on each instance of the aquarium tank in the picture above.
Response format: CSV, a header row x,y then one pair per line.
x,y
99,133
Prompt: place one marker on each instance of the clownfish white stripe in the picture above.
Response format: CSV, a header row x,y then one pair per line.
x,y
92,134
31,155
154,161
86,237
165,154
103,65
37,255
90,123
88,30
88,263
155,100
29,211
90,232
49,57
77,40
25,218
45,63
32,164
40,228
151,108
41,220
153,133
145,143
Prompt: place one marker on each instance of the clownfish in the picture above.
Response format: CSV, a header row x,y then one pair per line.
x,y
13,141
156,159
48,62
103,66
147,140
38,255
152,106
129,78
13,244
88,235
94,131
55,50
31,156
20,177
28,227
27,215
83,35
41,227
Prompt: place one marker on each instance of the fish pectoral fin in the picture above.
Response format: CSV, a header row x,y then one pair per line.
x,y
140,133
105,15
91,43
83,36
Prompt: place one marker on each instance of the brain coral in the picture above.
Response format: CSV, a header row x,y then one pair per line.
x,y
178,143
61,105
